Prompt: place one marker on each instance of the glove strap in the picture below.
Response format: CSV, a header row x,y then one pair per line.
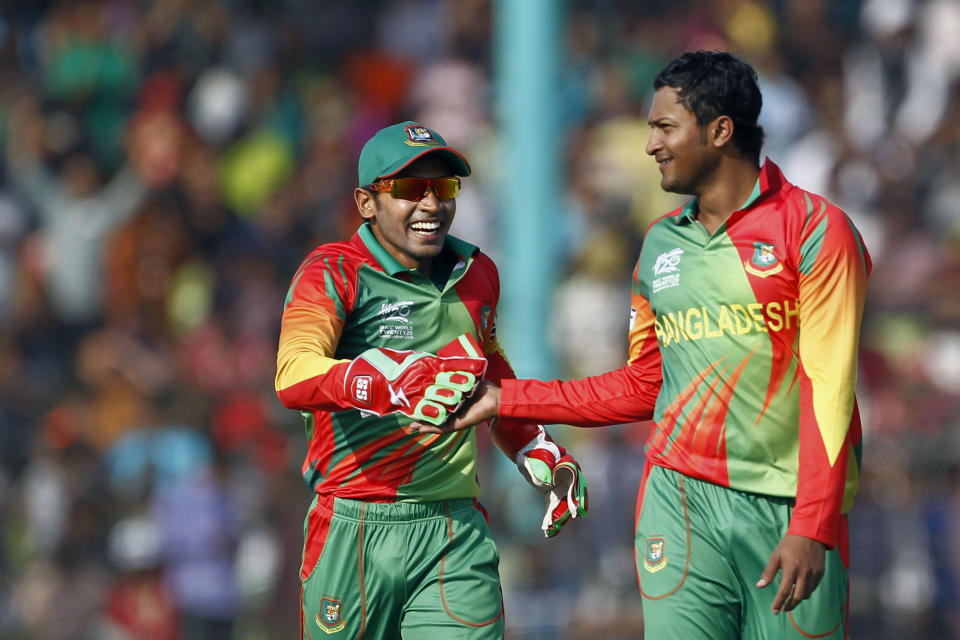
x,y
537,471
540,441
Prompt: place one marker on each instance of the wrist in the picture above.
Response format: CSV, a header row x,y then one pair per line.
x,y
814,534
506,397
494,392
337,375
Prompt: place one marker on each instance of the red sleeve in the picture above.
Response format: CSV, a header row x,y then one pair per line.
x,y
509,435
833,266
308,376
627,394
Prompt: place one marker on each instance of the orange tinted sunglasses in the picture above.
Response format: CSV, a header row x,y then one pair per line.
x,y
415,189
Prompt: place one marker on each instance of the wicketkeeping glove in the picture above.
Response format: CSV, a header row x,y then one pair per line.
x,y
544,463
552,471
418,385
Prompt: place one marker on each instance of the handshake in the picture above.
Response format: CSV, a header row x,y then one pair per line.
x,y
429,389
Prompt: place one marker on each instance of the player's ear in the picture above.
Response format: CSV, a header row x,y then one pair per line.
x,y
366,203
720,131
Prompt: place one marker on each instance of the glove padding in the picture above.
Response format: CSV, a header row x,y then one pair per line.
x,y
552,471
418,385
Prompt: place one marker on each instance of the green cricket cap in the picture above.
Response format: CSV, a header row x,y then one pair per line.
x,y
394,147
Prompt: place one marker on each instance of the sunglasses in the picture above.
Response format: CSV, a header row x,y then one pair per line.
x,y
415,189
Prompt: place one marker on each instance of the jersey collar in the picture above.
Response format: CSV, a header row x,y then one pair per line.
x,y
463,250
770,179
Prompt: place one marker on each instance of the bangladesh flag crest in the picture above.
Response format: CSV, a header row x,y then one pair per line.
x,y
764,261
329,618
655,558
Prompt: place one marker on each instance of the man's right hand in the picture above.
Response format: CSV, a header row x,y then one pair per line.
x,y
419,385
480,407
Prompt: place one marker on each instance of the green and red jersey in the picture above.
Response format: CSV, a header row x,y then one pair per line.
x,y
743,350
350,296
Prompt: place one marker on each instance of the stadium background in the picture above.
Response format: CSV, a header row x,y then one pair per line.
x,y
168,163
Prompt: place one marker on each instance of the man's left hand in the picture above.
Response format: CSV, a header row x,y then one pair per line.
x,y
552,471
801,560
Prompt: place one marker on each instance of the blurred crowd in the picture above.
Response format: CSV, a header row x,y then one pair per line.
x,y
167,164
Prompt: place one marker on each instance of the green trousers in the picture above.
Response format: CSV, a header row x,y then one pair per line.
x,y
700,549
399,570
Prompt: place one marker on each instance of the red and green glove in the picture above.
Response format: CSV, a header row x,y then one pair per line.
x,y
418,385
550,469
542,462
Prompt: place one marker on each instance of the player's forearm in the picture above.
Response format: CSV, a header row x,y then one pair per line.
x,y
818,519
627,394
511,435
823,466
322,392
498,368
821,485
507,434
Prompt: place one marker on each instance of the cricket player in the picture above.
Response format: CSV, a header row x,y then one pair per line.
x,y
397,324
746,311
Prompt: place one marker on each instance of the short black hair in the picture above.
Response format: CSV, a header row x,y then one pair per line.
x,y
715,83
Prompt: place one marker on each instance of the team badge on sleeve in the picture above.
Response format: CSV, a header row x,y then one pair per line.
x,y
656,557
764,262
329,618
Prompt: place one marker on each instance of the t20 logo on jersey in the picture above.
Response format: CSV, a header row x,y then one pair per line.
x,y
396,311
395,319
665,268
667,262
362,389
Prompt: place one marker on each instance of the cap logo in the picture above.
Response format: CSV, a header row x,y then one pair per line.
x,y
419,136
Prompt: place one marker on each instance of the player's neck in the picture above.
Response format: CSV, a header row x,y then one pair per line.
x,y
726,191
426,266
